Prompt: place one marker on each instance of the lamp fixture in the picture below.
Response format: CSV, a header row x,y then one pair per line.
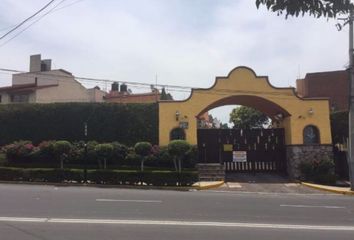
x,y
177,115
311,111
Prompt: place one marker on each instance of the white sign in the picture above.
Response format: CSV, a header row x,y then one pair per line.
x,y
239,156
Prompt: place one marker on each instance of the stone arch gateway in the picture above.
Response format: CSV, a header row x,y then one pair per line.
x,y
243,87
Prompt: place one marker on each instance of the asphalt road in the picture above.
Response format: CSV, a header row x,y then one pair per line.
x,y
48,212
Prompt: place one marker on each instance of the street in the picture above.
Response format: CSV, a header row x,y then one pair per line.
x,y
50,212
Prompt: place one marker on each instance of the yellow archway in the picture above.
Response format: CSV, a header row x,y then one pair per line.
x,y
242,86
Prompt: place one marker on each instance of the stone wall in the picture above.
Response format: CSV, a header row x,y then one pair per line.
x,y
298,153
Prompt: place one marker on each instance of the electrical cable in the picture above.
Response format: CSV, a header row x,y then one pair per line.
x,y
27,19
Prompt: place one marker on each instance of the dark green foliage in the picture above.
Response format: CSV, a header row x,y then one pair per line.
x,y
246,118
154,178
318,171
127,124
143,148
178,148
339,127
19,151
316,8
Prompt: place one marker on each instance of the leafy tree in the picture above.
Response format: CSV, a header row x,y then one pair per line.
x,y
178,149
62,150
245,118
316,8
143,149
103,151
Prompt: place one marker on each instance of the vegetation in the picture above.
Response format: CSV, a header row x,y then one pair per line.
x,y
127,124
318,171
316,8
103,151
152,178
246,118
178,150
143,149
61,151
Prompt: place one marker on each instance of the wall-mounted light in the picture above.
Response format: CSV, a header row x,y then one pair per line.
x,y
311,111
279,116
177,115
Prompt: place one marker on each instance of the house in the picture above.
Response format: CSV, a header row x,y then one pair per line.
x,y
333,84
121,94
44,85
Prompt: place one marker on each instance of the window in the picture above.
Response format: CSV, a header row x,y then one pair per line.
x,y
311,135
177,134
20,98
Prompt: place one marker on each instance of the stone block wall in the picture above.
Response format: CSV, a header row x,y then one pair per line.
x,y
298,153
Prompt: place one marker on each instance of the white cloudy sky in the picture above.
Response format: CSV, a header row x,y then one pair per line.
x,y
183,42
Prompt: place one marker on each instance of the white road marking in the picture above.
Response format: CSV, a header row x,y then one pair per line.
x,y
310,206
179,223
124,200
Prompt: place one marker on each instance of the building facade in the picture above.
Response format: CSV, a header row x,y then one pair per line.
x,y
44,85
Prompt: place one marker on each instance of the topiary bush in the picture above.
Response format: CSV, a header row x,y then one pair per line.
x,y
62,150
143,149
103,151
178,149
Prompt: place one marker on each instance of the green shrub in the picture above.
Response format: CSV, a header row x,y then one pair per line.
x,y
120,152
318,171
103,151
143,149
19,151
46,150
62,150
178,149
126,123
154,178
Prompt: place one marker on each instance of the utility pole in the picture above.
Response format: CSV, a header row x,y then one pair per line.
x,y
351,103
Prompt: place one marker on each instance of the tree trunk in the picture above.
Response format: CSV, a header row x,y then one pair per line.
x,y
175,164
61,163
104,163
179,165
142,165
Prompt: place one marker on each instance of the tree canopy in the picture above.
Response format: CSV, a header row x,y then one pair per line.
x,y
316,8
245,118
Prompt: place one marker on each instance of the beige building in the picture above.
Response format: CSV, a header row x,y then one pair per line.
x,y
44,85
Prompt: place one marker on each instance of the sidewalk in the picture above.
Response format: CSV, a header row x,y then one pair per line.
x,y
339,190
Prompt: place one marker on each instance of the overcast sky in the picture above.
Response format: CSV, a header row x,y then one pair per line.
x,y
183,42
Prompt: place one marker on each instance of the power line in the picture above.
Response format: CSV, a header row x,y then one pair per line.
x,y
27,19
50,11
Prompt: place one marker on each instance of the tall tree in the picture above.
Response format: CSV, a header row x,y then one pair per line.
x,y
245,118
316,8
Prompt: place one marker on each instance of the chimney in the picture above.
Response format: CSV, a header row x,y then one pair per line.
x,y
46,65
35,63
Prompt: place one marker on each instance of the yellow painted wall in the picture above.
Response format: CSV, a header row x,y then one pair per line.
x,y
243,81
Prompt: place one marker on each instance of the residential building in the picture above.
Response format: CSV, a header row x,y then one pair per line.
x,y
44,85
333,84
121,94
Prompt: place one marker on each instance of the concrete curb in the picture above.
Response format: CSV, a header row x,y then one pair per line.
x,y
207,185
338,190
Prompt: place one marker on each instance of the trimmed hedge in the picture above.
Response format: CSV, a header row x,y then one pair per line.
x,y
117,177
107,122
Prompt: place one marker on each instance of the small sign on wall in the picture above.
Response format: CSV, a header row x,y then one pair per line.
x,y
228,147
183,125
239,156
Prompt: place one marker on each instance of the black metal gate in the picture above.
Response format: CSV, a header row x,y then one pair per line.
x,y
240,150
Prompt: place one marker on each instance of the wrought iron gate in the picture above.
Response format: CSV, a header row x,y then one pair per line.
x,y
240,150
